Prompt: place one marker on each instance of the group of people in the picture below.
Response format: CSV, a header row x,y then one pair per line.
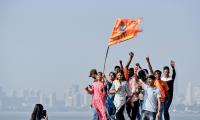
x,y
144,94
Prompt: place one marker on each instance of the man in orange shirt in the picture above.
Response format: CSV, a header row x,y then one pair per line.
x,y
163,87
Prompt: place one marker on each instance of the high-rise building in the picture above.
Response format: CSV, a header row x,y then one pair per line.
x,y
77,100
86,100
52,100
196,94
188,94
68,101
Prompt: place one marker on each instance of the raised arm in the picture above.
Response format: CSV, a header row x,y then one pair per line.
x,y
173,69
149,65
131,54
121,65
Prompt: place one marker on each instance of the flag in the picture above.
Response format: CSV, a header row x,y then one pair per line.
x,y
124,29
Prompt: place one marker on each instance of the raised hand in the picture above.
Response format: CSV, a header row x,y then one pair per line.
x,y
137,64
120,61
147,58
131,54
172,63
149,65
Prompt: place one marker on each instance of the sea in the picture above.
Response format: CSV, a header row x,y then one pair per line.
x,y
82,116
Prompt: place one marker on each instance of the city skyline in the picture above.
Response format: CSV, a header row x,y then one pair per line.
x,y
76,100
51,45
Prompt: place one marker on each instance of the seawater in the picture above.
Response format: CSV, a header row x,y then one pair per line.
x,y
82,116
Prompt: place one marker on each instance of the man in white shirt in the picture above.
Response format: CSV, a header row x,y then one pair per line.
x,y
151,103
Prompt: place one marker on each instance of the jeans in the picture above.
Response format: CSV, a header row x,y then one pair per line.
x,y
162,105
95,114
110,107
147,115
166,107
140,110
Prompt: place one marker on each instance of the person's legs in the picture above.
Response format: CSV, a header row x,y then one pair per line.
x,y
95,114
108,115
102,112
135,110
120,113
152,115
139,114
144,115
166,108
128,109
162,110
108,108
113,111
140,106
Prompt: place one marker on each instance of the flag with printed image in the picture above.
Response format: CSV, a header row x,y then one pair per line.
x,y
124,29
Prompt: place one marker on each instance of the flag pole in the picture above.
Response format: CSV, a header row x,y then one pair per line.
x,y
105,59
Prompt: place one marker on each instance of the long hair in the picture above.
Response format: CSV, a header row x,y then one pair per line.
x,y
37,112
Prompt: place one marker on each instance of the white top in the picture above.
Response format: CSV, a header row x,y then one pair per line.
x,y
151,96
166,79
120,96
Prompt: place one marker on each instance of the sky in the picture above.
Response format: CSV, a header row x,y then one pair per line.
x,y
49,45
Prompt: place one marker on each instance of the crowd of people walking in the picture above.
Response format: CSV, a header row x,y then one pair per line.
x,y
143,94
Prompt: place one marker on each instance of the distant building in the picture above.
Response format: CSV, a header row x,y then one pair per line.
x,y
52,100
86,99
68,101
188,95
196,94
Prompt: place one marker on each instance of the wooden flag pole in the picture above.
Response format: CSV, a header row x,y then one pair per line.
x,y
105,59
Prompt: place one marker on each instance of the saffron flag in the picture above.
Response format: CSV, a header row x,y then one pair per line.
x,y
124,29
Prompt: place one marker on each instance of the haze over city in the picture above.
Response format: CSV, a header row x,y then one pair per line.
x,y
51,45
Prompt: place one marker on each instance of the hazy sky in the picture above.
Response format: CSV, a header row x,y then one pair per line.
x,y
50,45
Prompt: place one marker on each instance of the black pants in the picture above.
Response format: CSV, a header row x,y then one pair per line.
x,y
120,113
134,109
166,107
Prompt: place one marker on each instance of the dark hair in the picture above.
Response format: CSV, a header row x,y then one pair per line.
x,y
165,68
92,71
122,72
37,112
142,73
117,67
112,74
100,73
151,77
158,71
131,69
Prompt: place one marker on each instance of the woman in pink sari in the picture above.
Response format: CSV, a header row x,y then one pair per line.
x,y
99,96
